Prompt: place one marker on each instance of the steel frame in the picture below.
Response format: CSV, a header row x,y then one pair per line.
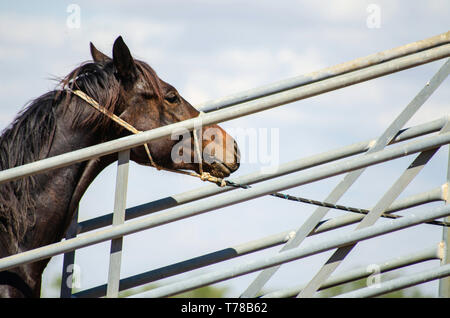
x,y
351,160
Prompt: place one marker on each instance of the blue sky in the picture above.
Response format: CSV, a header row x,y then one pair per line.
x,y
209,49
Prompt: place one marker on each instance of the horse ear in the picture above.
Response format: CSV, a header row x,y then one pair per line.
x,y
126,69
98,56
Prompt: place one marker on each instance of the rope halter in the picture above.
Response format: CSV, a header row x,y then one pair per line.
x,y
204,176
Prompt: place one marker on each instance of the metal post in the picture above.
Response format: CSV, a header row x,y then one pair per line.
x,y
444,283
118,218
68,269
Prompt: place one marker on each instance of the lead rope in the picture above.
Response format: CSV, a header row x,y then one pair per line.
x,y
205,176
331,205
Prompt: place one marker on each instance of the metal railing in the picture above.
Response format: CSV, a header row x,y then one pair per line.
x,y
423,141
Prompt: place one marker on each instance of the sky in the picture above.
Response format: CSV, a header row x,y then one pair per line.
x,y
208,50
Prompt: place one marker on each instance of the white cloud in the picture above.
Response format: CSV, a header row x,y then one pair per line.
x,y
306,61
136,32
336,10
30,30
240,69
13,53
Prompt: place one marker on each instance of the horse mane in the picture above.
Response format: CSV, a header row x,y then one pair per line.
x,y
22,142
28,138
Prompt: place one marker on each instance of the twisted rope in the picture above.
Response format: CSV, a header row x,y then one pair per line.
x,y
328,205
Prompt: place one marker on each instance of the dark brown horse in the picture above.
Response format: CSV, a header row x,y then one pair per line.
x,y
36,210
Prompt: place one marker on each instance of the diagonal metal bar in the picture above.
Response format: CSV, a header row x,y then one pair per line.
x,y
432,253
115,259
437,194
350,178
308,249
191,264
338,256
400,283
345,207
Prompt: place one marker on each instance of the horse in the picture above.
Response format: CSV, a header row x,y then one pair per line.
x,y
37,210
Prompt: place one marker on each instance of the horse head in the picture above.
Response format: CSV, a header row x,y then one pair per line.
x,y
147,102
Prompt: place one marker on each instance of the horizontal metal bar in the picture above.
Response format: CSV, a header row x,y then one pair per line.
x,y
283,169
230,113
431,253
400,283
325,73
406,203
311,222
191,264
391,194
182,212
434,195
314,247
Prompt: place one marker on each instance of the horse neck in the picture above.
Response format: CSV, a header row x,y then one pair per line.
x,y
56,194
67,185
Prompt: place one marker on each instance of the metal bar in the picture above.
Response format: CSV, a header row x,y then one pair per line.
x,y
120,203
436,194
309,225
208,259
375,213
314,247
283,169
193,263
406,203
325,73
227,199
431,253
444,283
226,114
400,283
345,208
69,261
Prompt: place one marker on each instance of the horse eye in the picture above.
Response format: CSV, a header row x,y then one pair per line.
x,y
171,98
